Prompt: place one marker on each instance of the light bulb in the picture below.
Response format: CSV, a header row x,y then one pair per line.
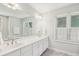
x,y
9,6
14,8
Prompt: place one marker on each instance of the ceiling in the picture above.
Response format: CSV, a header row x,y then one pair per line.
x,y
45,7
26,10
30,8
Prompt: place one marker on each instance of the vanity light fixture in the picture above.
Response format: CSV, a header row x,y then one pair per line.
x,y
13,6
38,16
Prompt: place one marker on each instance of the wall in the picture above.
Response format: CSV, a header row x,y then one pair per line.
x,y
50,18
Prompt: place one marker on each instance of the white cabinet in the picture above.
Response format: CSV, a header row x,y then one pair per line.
x,y
26,51
36,49
14,53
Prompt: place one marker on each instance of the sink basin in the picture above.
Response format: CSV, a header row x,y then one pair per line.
x,y
10,44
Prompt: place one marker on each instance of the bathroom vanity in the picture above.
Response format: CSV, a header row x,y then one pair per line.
x,y
26,46
22,36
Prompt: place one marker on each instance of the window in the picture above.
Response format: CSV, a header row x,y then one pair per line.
x,y
75,21
30,24
61,22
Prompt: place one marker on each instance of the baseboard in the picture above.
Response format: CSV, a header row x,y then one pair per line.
x,y
71,54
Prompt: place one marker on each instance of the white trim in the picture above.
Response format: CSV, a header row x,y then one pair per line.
x,y
62,15
74,13
68,42
69,53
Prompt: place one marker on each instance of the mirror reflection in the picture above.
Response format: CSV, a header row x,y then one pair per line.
x,y
12,27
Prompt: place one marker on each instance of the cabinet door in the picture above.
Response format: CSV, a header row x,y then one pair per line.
x,y
14,53
36,49
45,44
26,51
41,47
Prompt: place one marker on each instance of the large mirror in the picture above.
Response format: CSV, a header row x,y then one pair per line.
x,y
12,27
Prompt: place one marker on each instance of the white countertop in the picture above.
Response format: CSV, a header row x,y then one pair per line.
x,y
23,41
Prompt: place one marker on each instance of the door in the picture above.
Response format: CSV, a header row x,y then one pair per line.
x,y
36,49
26,51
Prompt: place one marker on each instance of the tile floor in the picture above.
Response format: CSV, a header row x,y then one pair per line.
x,y
50,52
